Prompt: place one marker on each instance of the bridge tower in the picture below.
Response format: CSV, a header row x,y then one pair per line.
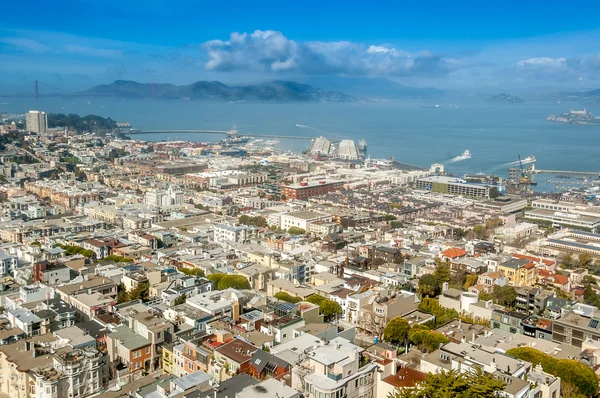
x,y
37,92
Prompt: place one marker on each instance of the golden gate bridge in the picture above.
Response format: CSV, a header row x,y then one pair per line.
x,y
32,90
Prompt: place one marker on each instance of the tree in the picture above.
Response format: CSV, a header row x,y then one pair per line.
x,y
296,231
258,221
504,295
442,272
570,371
140,292
590,296
584,260
181,299
378,261
429,286
287,297
589,279
566,260
315,299
471,280
480,231
396,330
197,272
330,308
494,193
122,296
454,384
433,307
215,278
225,281
458,279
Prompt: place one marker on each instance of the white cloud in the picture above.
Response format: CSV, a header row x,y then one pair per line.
x,y
543,62
272,51
25,44
91,51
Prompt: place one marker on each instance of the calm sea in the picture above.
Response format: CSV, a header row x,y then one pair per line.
x,y
404,130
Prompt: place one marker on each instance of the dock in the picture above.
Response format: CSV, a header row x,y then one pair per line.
x,y
568,172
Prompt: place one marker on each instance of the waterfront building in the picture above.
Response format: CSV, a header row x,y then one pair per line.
x,y
453,186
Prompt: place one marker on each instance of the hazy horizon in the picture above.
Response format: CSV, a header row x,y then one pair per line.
x,y
463,47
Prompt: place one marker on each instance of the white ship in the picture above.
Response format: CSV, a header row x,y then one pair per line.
x,y
466,155
529,159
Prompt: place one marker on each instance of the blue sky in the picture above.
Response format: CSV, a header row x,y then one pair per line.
x,y
448,44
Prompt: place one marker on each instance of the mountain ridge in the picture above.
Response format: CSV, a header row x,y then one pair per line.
x,y
276,90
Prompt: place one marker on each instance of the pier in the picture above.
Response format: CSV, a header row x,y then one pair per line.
x,y
568,172
230,133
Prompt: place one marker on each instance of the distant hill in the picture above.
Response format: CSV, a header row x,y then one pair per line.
x,y
277,90
504,98
376,87
584,96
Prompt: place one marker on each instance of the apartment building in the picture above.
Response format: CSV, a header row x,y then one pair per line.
x,y
329,368
76,373
518,272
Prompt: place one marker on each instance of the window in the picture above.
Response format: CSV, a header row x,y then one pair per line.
x,y
284,335
147,350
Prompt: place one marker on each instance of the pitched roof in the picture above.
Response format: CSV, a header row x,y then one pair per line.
x,y
455,252
261,359
237,350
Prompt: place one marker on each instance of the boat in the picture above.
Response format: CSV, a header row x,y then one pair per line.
x,y
466,154
529,159
235,140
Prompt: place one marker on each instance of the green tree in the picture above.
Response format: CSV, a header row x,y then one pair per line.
x,y
396,331
480,231
296,231
584,260
315,299
122,295
566,260
197,272
453,384
215,278
570,371
442,272
590,296
471,280
225,281
589,279
284,296
140,292
429,286
485,296
433,307
330,308
458,279
504,295
181,299
258,221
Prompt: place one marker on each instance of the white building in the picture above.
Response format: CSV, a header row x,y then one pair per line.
x,y
328,368
77,373
37,121
173,196
303,219
233,233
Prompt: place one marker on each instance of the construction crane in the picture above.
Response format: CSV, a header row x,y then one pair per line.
x,y
524,183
